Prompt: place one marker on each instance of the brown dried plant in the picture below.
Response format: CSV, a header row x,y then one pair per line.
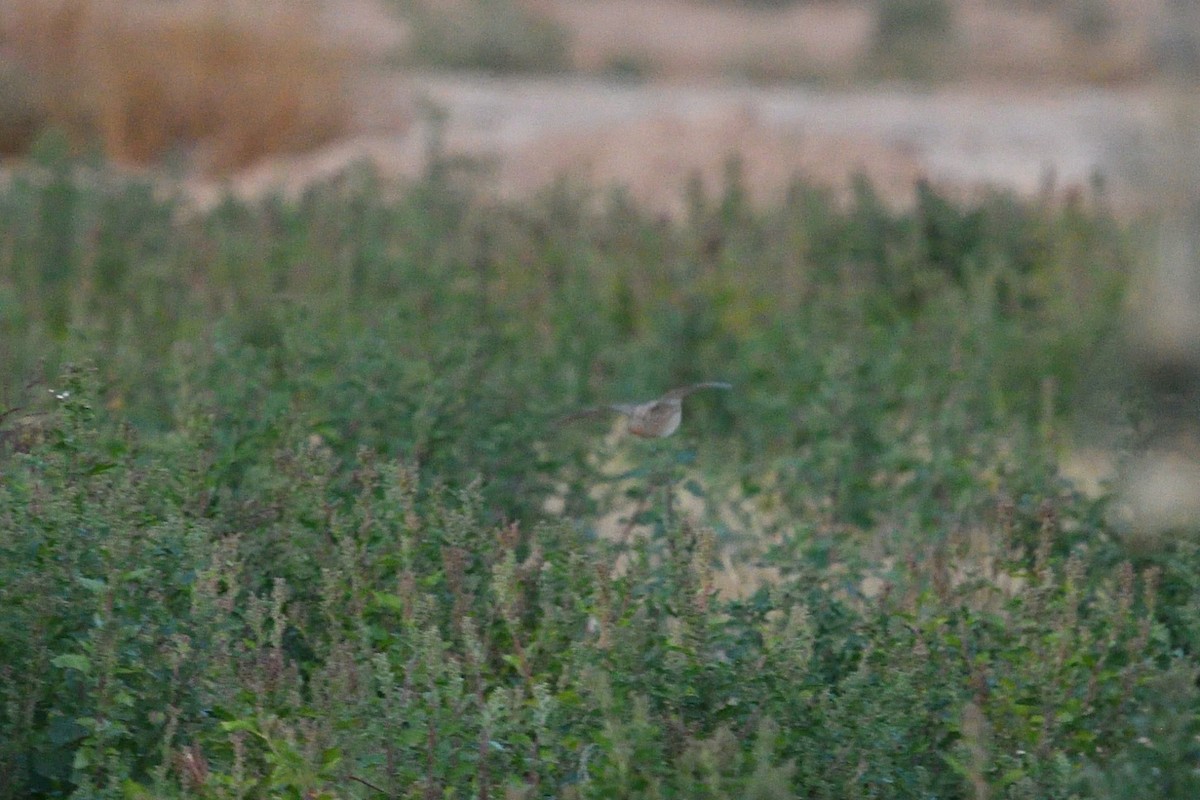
x,y
220,82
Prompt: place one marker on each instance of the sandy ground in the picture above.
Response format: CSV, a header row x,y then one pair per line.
x,y
1021,112
684,40
651,138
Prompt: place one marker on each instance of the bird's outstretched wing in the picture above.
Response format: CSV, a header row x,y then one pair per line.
x,y
684,391
587,413
635,409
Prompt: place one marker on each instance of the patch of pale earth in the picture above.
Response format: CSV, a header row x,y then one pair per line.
x,y
682,39
1092,470
1163,489
655,159
369,27
652,138
646,137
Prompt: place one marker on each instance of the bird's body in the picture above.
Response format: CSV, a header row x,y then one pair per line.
x,y
653,419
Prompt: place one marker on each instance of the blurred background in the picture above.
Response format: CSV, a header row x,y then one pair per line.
x,y
636,92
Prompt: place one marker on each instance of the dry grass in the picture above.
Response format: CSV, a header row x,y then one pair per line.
x,y
220,83
1034,42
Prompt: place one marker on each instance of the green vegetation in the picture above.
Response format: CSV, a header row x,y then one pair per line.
x,y
500,36
912,38
274,507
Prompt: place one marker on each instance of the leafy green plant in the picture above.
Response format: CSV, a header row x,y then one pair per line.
x,y
285,509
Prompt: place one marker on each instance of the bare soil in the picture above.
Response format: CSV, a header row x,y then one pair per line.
x,y
651,138
1040,104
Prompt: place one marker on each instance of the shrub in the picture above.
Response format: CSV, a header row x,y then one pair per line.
x,y
493,35
306,525
912,37
380,632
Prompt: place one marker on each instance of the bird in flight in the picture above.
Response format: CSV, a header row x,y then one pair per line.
x,y
653,419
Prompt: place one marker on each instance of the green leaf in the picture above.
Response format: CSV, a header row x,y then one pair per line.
x,y
234,725
135,791
64,730
1011,776
389,602
73,661
92,584
330,758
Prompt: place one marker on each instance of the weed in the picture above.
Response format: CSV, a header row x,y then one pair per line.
x,y
293,529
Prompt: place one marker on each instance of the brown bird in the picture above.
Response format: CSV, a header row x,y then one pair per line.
x,y
653,419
